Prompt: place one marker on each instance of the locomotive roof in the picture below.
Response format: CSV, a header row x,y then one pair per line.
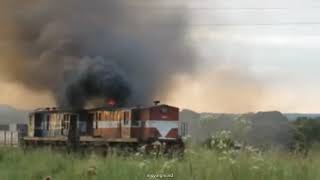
x,y
127,108
110,108
57,110
54,110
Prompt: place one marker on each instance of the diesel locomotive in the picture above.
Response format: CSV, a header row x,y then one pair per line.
x,y
105,127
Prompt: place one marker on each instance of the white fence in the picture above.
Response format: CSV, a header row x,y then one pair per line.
x,y
9,138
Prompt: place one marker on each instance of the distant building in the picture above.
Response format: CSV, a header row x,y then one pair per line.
x,y
11,134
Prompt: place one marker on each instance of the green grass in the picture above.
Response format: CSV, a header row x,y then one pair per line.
x,y
198,164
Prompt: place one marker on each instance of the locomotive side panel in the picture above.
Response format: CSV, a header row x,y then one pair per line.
x,y
139,116
106,123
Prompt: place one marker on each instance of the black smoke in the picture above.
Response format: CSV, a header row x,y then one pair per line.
x,y
80,50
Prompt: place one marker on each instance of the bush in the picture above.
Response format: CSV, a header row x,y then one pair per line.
x,y
222,141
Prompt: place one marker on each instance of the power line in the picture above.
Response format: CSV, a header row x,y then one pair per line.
x,y
244,25
222,9
260,24
240,9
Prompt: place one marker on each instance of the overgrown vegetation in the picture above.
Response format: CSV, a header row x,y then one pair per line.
x,y
307,133
221,157
197,164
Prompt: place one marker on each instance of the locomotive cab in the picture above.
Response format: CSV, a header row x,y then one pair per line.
x,y
51,123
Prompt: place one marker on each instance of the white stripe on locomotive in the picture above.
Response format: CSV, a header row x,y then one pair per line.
x,y
163,127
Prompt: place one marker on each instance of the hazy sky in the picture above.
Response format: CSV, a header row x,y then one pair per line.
x,y
254,55
277,40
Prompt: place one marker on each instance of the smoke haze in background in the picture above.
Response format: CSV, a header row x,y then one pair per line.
x,y
79,50
227,89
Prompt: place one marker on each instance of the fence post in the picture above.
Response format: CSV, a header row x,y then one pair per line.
x,y
5,138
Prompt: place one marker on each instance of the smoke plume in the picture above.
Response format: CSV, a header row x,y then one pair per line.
x,y
79,50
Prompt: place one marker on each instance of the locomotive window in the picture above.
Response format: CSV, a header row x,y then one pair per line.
x,y
135,123
115,116
47,122
110,116
91,117
31,122
119,116
135,115
63,124
105,115
164,110
126,115
102,115
65,121
99,116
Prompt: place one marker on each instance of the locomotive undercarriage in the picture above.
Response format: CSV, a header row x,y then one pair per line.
x,y
107,147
